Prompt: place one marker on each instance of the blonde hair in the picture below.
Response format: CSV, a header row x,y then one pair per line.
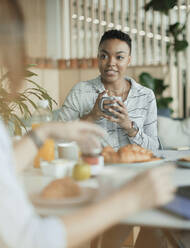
x,y
12,50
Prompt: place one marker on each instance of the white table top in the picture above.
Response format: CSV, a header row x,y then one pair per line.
x,y
172,154
34,180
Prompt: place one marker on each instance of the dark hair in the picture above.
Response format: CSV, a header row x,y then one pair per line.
x,y
116,34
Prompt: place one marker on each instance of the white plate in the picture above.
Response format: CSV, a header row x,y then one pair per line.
x,y
177,148
183,163
87,194
112,177
141,164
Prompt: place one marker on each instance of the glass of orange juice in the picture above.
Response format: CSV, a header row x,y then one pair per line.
x,y
46,152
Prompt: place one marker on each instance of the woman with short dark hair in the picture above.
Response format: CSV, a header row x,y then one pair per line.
x,y
130,115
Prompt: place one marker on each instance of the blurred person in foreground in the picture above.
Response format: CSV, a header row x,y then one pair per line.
x,y
20,226
134,107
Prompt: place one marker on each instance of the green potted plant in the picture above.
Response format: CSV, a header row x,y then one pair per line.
x,y
162,5
158,87
16,112
177,30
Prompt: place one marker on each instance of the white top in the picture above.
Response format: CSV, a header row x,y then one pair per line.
x,y
20,226
141,106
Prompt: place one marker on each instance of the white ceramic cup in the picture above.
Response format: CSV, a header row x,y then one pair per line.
x,y
101,104
68,151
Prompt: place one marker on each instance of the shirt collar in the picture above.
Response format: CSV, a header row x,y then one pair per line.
x,y
136,88
134,91
99,85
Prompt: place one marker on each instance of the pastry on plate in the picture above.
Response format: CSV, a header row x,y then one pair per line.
x,y
186,159
110,156
136,148
61,188
131,153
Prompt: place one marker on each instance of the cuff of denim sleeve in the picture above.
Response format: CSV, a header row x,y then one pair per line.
x,y
137,139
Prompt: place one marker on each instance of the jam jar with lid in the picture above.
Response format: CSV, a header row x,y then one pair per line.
x,y
95,160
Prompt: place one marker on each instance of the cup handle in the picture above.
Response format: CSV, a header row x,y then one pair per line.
x,y
101,103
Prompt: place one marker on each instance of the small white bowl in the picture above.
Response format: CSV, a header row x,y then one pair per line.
x,y
57,168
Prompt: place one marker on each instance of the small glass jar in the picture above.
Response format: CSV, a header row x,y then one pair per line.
x,y
95,160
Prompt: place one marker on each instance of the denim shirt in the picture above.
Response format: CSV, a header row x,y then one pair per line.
x,y
140,104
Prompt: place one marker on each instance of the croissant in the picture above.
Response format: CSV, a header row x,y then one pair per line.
x,y
126,157
127,154
186,159
110,156
136,148
61,188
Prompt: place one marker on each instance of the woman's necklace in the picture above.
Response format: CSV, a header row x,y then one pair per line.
x,y
116,92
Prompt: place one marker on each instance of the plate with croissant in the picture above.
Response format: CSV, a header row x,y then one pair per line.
x,y
130,155
63,192
185,161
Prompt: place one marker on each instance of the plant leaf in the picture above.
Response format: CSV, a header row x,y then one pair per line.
x,y
21,103
161,5
180,45
147,80
30,74
164,102
34,83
